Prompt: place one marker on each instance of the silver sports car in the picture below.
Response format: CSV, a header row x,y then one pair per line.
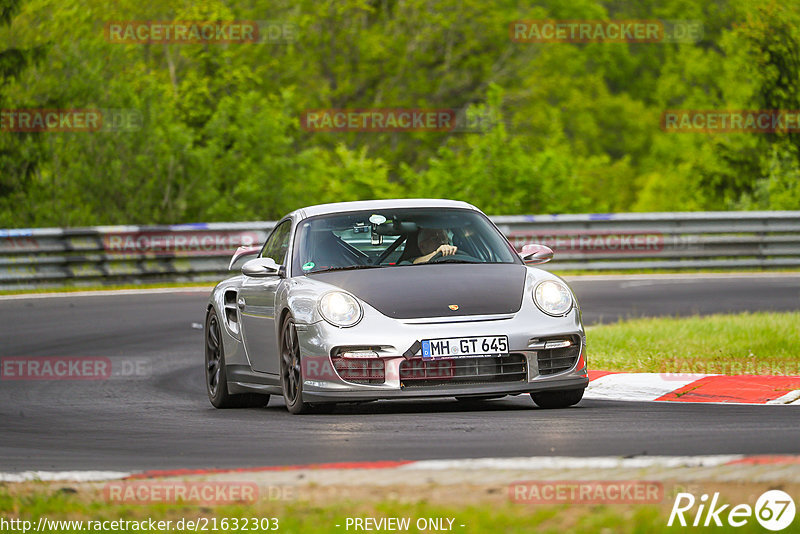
x,y
392,299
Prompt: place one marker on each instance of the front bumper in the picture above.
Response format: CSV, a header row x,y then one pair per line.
x,y
391,338
315,394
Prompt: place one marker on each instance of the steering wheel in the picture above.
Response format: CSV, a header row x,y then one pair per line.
x,y
458,256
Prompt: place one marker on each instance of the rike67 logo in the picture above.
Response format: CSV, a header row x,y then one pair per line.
x,y
774,510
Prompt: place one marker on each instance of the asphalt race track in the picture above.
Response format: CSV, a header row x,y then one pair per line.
x,y
159,417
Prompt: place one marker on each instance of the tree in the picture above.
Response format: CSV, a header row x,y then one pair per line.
x,y
20,152
772,36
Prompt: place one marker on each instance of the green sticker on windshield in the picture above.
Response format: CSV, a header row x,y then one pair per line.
x,y
308,266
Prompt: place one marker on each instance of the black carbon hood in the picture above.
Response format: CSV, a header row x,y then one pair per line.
x,y
415,291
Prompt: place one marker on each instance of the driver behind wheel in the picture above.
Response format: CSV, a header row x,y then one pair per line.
x,y
432,241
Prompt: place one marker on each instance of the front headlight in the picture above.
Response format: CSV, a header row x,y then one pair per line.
x,y
340,309
553,298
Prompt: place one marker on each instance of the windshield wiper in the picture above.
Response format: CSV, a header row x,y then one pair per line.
x,y
454,260
348,268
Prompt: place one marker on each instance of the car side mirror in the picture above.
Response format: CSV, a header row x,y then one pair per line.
x,y
262,267
536,254
241,252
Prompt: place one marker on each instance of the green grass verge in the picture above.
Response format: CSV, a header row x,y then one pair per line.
x,y
303,517
762,343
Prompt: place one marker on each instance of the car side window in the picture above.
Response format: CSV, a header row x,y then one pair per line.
x,y
278,243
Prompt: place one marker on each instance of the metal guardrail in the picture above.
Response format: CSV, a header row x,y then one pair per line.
x,y
680,240
596,242
42,257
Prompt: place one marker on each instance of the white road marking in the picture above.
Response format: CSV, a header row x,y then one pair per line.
x,y
109,293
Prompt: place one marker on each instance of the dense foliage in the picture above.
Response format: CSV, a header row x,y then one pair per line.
x,y
578,126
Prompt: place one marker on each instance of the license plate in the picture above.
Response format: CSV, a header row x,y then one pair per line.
x,y
462,347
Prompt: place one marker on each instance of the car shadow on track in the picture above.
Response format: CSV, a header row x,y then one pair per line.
x,y
519,403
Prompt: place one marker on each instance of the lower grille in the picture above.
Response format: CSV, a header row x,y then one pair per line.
x,y
416,372
361,371
553,361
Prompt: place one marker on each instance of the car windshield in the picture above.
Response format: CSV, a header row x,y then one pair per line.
x,y
398,237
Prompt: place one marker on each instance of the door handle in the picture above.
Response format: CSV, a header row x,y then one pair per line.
x,y
240,303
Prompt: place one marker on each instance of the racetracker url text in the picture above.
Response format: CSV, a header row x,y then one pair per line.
x,y
201,524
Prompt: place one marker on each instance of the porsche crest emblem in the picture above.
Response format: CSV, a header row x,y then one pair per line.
x,y
453,307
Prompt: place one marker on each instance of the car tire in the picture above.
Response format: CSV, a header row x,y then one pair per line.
x,y
216,377
291,369
557,399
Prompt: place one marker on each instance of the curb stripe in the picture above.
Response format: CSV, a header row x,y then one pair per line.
x,y
777,459
734,389
522,463
694,388
571,462
793,397
637,386
594,375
